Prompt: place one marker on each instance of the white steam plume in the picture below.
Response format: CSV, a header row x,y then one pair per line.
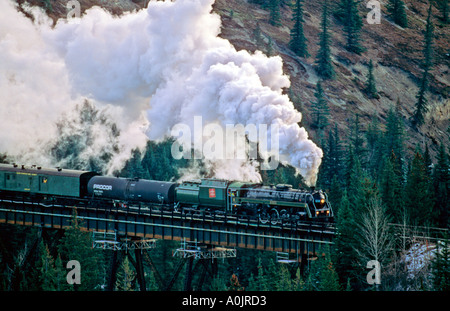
x,y
166,60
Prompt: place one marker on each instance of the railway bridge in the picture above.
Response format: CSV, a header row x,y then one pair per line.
x,y
219,234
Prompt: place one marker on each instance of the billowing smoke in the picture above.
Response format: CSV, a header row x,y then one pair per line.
x,y
163,65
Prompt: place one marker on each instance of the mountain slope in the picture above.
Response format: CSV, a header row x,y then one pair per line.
x,y
396,52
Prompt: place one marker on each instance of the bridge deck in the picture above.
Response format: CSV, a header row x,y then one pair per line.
x,y
203,227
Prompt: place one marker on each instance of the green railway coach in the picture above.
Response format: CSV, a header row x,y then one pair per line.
x,y
44,181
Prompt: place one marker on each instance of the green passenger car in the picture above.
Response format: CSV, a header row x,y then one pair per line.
x,y
44,181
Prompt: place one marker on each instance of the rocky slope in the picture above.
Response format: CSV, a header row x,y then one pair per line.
x,y
396,52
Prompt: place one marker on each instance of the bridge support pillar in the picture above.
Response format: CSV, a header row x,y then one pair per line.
x,y
140,269
188,279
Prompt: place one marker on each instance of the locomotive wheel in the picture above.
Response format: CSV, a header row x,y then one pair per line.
x,y
284,215
264,217
274,216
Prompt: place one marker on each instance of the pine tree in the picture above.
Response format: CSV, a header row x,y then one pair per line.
x,y
298,42
344,253
60,280
269,48
324,64
275,15
394,136
422,104
374,138
335,193
322,275
397,10
357,139
332,163
298,284
391,188
371,88
284,282
320,109
258,37
48,276
330,279
418,197
258,282
77,245
125,276
442,5
441,185
347,13
428,162
441,266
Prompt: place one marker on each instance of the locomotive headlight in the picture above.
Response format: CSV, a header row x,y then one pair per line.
x,y
322,201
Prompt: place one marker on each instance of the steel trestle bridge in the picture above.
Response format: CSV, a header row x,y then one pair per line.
x,y
154,223
202,234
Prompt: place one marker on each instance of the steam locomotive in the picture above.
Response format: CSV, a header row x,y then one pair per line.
x,y
267,203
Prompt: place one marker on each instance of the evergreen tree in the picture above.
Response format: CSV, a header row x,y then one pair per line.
x,y
371,88
344,253
125,276
418,197
258,282
441,266
335,193
258,37
269,48
347,13
283,281
332,163
60,274
391,188
324,65
374,139
357,140
298,40
152,283
422,104
298,283
218,284
320,109
397,10
275,15
321,274
441,185
427,161
394,137
77,245
329,278
337,154
442,5
48,273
